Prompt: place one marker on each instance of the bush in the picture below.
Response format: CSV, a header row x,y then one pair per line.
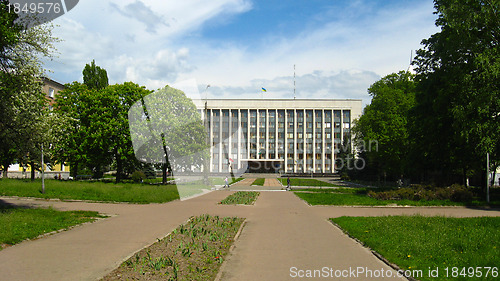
x,y
460,193
345,176
138,176
456,193
149,172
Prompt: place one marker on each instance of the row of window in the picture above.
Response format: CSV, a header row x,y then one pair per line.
x,y
281,113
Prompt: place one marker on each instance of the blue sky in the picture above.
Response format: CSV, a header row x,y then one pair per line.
x,y
238,46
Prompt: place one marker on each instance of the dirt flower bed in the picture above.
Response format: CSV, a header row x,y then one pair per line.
x,y
193,251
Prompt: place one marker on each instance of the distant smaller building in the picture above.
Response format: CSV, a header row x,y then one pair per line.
x,y
51,89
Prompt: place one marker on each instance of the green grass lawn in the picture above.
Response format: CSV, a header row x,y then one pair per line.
x,y
419,243
220,181
155,180
358,197
306,182
93,191
259,182
21,224
241,197
350,199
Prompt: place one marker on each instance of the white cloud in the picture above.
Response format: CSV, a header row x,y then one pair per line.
x,y
142,13
136,46
319,84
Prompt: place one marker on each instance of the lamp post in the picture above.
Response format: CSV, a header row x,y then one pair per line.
x,y
488,167
488,177
43,174
206,163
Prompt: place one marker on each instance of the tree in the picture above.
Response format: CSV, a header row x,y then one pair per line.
x,y
72,133
94,76
167,130
22,104
99,134
385,121
458,98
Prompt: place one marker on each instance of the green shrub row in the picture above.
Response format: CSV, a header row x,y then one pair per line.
x,y
456,193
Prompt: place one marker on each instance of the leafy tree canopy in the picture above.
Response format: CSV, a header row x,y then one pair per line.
x,y
458,98
94,76
385,121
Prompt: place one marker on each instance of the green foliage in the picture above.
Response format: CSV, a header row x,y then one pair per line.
x,y
95,77
98,134
22,103
9,31
385,122
138,176
419,196
456,193
456,120
241,197
420,243
172,125
21,224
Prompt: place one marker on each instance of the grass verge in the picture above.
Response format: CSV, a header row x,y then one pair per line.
x,y
220,181
259,182
306,182
241,198
359,197
193,251
349,199
93,191
460,248
21,224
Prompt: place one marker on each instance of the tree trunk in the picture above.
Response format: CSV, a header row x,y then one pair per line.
x,y
97,173
74,170
164,173
32,164
466,184
164,167
119,168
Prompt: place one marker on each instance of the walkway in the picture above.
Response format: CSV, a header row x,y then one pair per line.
x,y
281,232
272,182
245,182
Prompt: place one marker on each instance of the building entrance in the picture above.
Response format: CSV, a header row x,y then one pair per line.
x,y
264,167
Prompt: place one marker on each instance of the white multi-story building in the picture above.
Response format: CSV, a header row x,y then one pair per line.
x,y
287,135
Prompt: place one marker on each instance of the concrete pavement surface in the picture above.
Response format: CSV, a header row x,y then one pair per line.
x,y
282,236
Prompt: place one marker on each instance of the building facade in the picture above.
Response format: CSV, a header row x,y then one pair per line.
x,y
285,135
51,89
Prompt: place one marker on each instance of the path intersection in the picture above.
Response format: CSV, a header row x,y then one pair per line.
x,y
282,239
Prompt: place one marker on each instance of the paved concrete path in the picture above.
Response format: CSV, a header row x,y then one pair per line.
x,y
245,182
281,233
272,182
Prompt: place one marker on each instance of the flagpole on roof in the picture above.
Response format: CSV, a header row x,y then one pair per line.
x,y
294,86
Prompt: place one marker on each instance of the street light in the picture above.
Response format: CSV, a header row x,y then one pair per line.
x,y
43,174
488,177
488,168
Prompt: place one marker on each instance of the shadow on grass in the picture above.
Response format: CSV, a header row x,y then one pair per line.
x,y
5,206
